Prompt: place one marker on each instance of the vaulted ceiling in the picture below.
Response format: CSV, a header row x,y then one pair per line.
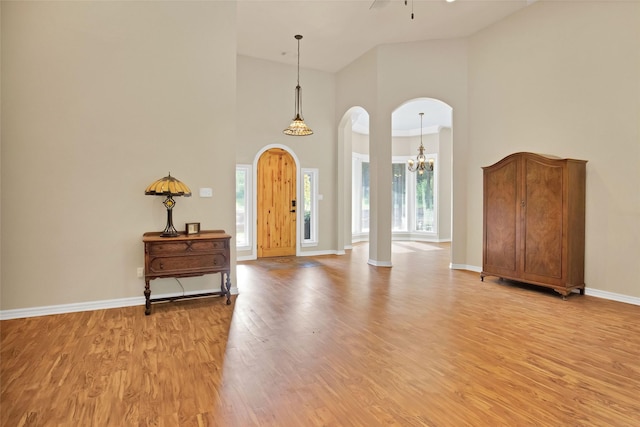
x,y
336,32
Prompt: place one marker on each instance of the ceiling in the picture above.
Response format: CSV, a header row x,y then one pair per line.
x,y
337,32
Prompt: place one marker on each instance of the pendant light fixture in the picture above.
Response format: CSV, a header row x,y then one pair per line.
x,y
420,164
298,127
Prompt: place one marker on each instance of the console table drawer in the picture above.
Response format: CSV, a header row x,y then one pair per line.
x,y
184,264
185,246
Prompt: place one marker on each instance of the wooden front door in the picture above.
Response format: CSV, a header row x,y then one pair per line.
x,y
276,204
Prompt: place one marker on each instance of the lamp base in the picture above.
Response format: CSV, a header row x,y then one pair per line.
x,y
169,230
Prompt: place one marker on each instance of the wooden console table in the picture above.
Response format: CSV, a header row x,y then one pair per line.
x,y
186,256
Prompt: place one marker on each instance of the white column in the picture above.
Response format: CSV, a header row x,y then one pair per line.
x,y
380,189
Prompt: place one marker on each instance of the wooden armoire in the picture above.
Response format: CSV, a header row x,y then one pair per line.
x,y
534,219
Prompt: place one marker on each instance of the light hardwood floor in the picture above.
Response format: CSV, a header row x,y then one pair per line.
x,y
333,341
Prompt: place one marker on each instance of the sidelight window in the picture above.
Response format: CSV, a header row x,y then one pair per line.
x,y
310,207
243,207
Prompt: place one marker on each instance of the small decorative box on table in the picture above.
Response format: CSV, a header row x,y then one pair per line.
x,y
186,256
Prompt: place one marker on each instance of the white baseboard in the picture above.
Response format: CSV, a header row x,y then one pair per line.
x,y
93,305
70,308
419,238
316,253
465,267
612,296
379,263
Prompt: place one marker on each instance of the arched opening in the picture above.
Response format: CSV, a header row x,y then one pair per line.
x,y
422,199
346,136
421,203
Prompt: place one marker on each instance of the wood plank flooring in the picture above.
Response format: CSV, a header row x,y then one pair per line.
x,y
333,341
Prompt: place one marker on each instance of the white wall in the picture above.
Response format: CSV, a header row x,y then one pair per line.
x,y
445,176
563,78
356,90
99,99
360,143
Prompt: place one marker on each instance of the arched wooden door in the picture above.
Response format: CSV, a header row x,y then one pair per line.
x,y
276,211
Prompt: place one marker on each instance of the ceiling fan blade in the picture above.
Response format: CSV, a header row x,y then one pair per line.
x,y
377,4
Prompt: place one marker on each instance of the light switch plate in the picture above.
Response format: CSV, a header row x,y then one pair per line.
x,y
206,192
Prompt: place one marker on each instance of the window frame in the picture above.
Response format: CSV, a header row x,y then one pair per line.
x,y
356,200
314,218
436,208
411,189
248,201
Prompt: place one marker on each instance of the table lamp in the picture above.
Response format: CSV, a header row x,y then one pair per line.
x,y
169,187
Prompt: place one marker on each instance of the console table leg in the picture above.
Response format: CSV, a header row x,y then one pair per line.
x,y
228,290
147,296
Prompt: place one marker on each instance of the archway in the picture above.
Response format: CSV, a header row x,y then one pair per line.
x,y
345,173
424,211
353,152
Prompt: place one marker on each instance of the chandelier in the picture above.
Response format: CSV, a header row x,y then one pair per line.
x,y
420,164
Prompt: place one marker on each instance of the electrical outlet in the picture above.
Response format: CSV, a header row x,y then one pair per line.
x,y
140,271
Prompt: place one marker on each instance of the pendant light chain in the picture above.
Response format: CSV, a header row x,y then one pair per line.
x,y
298,37
421,131
298,87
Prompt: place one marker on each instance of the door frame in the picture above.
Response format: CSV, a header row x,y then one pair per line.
x,y
254,202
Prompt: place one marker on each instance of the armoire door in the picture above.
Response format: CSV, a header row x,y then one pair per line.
x,y
542,256
501,250
276,209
